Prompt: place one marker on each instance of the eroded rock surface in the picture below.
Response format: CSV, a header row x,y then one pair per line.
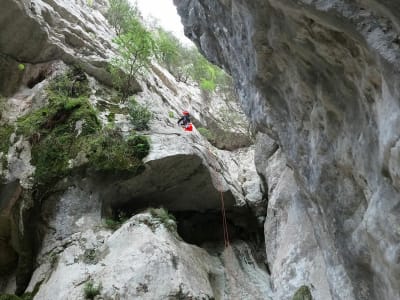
x,y
322,79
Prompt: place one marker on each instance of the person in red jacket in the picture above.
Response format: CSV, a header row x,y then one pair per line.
x,y
185,122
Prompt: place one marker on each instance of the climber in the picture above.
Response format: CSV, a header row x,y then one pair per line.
x,y
185,122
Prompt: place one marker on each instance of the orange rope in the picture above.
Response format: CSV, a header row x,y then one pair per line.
x,y
224,222
223,212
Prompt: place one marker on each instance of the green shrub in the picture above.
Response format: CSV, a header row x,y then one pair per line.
x,y
51,130
73,83
91,290
135,47
5,135
55,140
21,67
140,145
164,217
171,114
140,115
25,296
119,14
303,293
207,134
110,152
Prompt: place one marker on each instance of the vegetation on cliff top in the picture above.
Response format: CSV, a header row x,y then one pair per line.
x,y
137,45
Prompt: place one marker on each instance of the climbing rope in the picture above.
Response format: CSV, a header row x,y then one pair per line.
x,y
223,212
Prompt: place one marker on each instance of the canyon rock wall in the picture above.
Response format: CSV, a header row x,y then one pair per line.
x,y
56,238
321,78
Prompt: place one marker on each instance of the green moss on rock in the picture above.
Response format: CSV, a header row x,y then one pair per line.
x,y
26,296
303,293
69,126
111,152
5,135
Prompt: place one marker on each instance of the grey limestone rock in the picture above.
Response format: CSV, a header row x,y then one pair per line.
x,y
321,78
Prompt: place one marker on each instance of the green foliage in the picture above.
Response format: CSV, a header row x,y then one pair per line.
x,y
207,134
91,290
9,297
110,152
21,67
90,3
184,62
139,144
140,115
207,85
25,296
52,129
135,48
164,217
171,114
56,142
5,134
120,13
303,293
168,49
72,84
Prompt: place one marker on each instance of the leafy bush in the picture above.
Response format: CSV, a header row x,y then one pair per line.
x,y
119,14
55,142
184,62
136,47
171,114
72,84
140,115
110,152
140,145
5,134
91,290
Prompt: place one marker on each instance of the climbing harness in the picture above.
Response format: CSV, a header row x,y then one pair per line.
x,y
188,127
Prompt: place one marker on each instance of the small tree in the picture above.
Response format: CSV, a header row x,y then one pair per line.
x,y
135,47
119,14
168,49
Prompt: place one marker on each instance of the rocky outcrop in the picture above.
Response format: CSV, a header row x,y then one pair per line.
x,y
321,79
40,31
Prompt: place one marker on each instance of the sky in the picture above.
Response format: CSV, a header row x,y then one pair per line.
x,y
165,12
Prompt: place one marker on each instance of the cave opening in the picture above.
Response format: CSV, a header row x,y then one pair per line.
x,y
204,228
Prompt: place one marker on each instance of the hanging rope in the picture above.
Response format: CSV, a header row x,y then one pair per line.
x,y
223,212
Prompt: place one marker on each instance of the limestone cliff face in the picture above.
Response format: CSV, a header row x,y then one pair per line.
x,y
54,237
321,78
